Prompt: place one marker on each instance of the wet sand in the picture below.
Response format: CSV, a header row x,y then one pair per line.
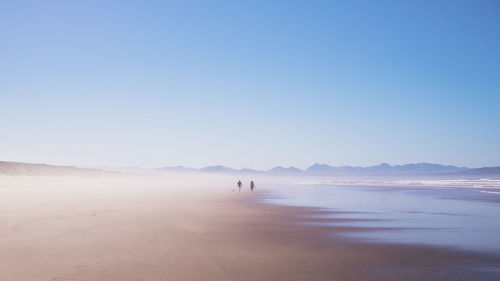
x,y
146,230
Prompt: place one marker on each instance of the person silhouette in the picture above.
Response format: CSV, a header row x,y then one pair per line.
x,y
239,186
252,185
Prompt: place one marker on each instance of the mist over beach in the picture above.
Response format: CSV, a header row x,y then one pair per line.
x,y
67,223
249,140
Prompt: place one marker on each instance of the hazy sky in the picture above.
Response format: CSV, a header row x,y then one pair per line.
x,y
255,84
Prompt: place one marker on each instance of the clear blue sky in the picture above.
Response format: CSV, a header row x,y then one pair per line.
x,y
255,84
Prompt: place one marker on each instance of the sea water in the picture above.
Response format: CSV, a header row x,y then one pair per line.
x,y
455,217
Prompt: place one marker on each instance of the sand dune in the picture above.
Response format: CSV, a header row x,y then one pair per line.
x,y
31,169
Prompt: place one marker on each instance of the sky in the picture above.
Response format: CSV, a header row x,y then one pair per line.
x,y
251,84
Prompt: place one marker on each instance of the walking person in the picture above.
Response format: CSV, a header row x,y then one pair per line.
x,y
252,185
239,186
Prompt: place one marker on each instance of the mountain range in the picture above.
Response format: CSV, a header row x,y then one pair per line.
x,y
381,169
384,169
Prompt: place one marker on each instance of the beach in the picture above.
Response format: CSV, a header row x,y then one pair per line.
x,y
192,228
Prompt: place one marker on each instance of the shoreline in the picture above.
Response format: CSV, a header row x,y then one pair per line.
x,y
387,261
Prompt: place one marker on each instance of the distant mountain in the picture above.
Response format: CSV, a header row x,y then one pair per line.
x,y
425,168
320,168
381,167
384,168
176,169
218,169
249,171
486,171
30,169
284,171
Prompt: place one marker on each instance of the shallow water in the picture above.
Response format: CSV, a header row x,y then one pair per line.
x,y
457,217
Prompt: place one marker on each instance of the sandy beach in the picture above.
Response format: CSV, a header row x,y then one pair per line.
x,y
184,228
364,136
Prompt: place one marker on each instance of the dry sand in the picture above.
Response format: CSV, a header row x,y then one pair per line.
x,y
181,228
